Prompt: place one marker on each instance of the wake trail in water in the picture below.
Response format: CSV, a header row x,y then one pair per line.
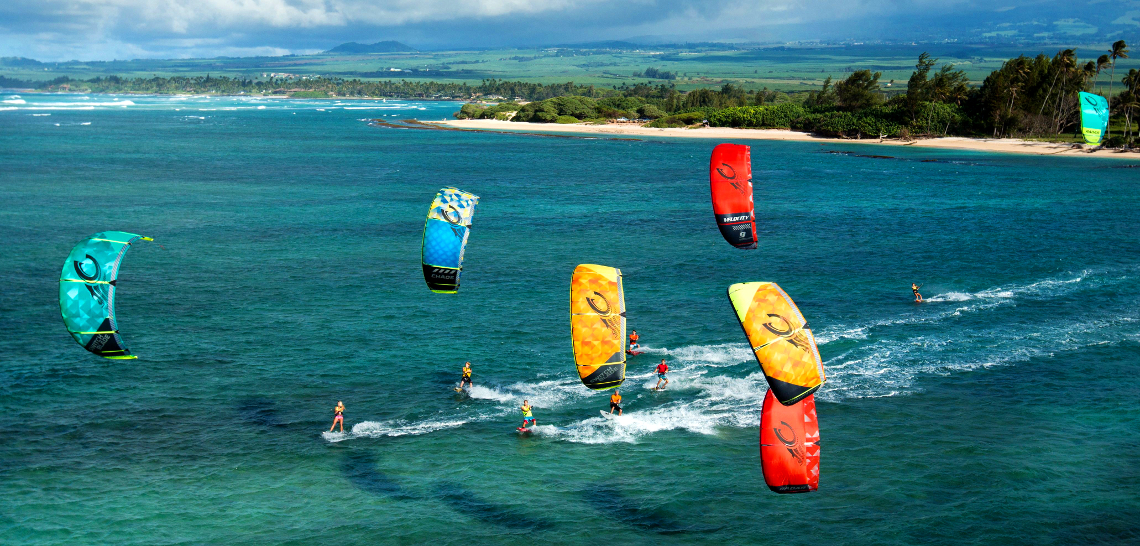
x,y
720,385
712,400
982,301
888,361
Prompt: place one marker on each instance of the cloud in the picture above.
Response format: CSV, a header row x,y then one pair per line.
x,y
1129,18
104,29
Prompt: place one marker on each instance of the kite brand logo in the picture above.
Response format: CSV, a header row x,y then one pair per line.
x,y
441,273
737,218
605,373
83,274
606,315
786,331
731,176
778,330
98,342
96,293
792,445
454,221
727,176
446,213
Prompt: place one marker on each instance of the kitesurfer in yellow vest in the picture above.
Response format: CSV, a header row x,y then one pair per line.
x,y
633,344
615,399
914,288
466,375
339,410
527,416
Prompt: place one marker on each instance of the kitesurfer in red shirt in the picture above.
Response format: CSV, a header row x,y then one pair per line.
x,y
662,369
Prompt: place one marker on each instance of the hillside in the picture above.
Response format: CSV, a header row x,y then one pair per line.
x,y
378,47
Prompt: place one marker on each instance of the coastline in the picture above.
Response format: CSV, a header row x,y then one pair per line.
x,y
630,130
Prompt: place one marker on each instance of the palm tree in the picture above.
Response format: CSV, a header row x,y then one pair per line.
x,y
1119,51
1127,104
1061,65
1101,63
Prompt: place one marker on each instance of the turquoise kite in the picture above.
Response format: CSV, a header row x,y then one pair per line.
x,y
1094,117
87,292
445,238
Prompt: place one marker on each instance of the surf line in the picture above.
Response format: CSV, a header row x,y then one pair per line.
x,y
417,124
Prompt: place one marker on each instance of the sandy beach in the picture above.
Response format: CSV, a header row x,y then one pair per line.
x,y
1000,145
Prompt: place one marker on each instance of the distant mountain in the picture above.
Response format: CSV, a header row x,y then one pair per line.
x,y
378,47
19,61
606,44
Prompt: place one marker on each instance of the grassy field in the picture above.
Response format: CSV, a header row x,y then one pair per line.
x,y
784,68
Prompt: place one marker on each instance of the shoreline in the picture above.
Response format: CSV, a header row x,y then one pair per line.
x,y
17,91
628,130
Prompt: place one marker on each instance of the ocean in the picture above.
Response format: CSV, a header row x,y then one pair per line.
x,y
284,276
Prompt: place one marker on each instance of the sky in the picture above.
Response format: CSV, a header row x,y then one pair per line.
x,y
60,30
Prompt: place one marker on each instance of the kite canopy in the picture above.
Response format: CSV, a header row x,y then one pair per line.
x,y
776,330
730,179
445,238
87,292
597,325
1094,117
789,445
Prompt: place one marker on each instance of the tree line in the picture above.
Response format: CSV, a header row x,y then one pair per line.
x,y
1026,96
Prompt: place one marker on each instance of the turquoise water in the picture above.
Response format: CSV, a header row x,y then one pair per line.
x,y
285,276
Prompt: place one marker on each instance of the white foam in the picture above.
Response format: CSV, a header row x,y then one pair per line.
x,y
722,354
988,299
634,424
400,427
483,393
951,296
39,115
888,367
14,101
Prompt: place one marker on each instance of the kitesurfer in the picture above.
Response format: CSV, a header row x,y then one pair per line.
x,y
662,369
527,416
466,375
914,288
633,344
339,410
615,399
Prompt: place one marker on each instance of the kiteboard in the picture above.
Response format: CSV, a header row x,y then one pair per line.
x,y
634,353
609,416
521,429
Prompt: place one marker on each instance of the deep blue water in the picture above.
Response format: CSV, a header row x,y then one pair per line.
x,y
285,276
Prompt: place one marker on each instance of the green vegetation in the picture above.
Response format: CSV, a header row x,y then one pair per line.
x,y
1026,97
972,92
783,68
654,74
